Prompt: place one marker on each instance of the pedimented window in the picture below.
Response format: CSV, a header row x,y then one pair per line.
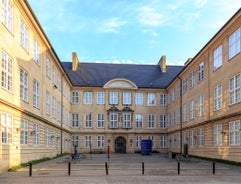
x,y
121,84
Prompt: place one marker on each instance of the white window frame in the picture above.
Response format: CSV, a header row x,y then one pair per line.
x,y
234,133
75,97
7,72
217,58
201,71
163,121
192,109
184,85
113,98
24,132
138,141
217,98
234,90
200,105
88,120
48,70
192,141
126,120
139,120
217,135
48,137
151,121
6,128
36,93
100,97
24,37
126,98
48,103
36,52
75,120
100,120
23,85
7,14
201,137
139,98
100,141
88,97
163,141
88,141
54,107
163,99
113,117
184,112
192,79
151,99
36,135
234,44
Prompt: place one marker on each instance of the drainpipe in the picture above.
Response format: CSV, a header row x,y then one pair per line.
x,y
180,114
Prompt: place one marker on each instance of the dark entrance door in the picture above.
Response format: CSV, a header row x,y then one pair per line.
x,y
120,145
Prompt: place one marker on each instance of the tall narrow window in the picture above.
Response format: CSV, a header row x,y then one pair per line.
x,y
48,137
100,120
217,135
151,99
53,107
192,79
200,137
88,97
24,35
184,85
151,121
54,76
217,58
7,72
163,141
138,141
163,99
234,90
48,67
48,101
36,52
192,109
7,14
36,135
234,44
100,98
88,141
126,98
192,141
234,133
88,120
75,97
24,132
126,120
113,98
139,99
201,105
100,141
36,94
163,121
201,71
217,97
139,120
23,85
7,128
113,120
184,112
75,120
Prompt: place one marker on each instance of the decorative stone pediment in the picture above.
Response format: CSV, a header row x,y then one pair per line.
x,y
120,83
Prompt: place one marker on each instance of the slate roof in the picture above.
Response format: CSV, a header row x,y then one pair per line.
x,y
98,74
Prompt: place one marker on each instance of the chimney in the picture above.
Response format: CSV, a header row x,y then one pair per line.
x,y
162,64
75,61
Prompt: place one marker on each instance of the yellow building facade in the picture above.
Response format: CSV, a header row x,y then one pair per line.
x,y
48,107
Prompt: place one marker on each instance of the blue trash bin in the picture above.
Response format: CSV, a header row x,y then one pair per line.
x,y
146,147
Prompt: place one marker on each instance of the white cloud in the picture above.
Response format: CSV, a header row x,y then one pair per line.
x,y
200,3
151,32
148,16
112,25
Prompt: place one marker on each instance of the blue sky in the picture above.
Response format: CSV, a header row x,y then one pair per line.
x,y
132,31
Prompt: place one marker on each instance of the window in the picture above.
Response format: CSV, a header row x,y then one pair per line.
x,y
75,120
88,120
139,99
48,137
217,97
138,141
7,72
7,128
178,89
75,97
201,71
47,67
126,98
217,135
192,79
200,137
88,141
23,35
23,85
48,101
184,85
151,137
184,112
163,99
192,109
192,141
24,132
53,107
173,94
163,121
113,98
151,121
7,14
217,58
173,118
113,120
35,94
100,141
36,135
54,76
234,44
234,90
151,99
201,105
100,98
139,121
100,121
58,111
163,141
88,97
234,133
126,120
59,82
75,141
36,52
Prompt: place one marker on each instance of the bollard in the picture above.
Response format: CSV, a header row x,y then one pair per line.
x,y
106,169
178,168
213,168
30,169
69,168
143,168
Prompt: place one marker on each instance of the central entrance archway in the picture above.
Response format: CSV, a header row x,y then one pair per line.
x,y
120,145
